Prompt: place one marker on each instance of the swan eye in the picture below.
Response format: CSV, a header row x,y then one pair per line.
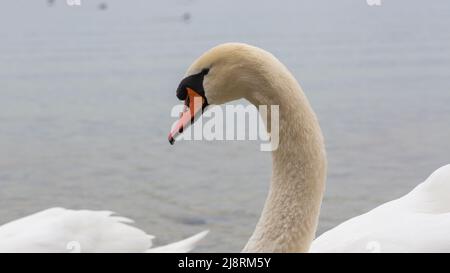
x,y
205,71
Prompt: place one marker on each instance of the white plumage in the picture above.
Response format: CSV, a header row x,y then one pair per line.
x,y
416,222
64,230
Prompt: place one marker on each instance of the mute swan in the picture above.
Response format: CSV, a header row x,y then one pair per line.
x,y
64,230
420,221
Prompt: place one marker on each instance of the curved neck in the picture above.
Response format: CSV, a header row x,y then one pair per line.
x,y
289,218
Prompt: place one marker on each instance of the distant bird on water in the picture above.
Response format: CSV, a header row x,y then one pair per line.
x,y
102,6
186,17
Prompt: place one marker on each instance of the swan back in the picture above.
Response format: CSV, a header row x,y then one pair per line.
x,y
433,195
416,222
64,230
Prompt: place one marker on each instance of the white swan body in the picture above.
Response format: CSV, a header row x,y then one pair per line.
x,y
64,230
417,222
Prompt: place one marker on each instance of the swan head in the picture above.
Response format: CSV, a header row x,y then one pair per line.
x,y
224,73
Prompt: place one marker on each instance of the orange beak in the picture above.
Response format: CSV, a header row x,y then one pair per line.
x,y
193,109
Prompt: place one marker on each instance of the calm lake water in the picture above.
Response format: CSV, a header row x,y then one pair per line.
x,y
86,94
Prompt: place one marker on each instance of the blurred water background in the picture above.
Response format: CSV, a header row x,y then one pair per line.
x,y
86,93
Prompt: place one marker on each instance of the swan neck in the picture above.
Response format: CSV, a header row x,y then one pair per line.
x,y
289,218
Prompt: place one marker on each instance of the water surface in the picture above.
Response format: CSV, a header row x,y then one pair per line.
x,y
85,98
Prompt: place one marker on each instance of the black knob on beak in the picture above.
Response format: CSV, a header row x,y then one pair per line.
x,y
181,92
